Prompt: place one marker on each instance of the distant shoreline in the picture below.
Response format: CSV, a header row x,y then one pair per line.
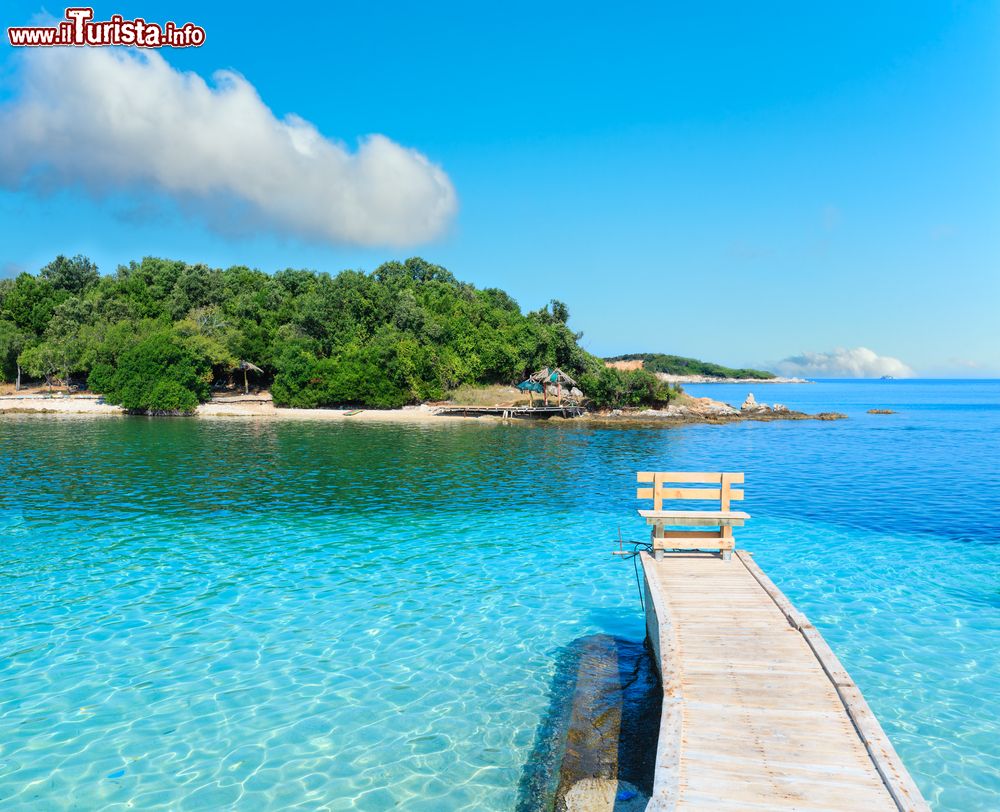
x,y
667,378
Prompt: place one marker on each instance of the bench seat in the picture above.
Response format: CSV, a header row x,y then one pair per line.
x,y
732,518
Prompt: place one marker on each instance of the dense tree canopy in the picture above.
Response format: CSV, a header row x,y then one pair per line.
x,y
157,333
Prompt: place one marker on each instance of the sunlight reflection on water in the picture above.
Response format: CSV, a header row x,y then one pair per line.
x,y
205,614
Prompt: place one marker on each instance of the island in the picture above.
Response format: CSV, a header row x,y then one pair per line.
x,y
166,337
677,369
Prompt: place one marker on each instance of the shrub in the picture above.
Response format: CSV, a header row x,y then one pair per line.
x,y
161,373
101,377
171,396
615,388
297,381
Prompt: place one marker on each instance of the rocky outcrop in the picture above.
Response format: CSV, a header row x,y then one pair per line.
x,y
694,409
751,406
710,407
706,410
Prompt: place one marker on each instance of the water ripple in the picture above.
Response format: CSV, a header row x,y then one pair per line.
x,y
251,615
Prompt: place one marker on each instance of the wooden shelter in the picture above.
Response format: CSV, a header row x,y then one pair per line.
x,y
531,387
551,376
246,366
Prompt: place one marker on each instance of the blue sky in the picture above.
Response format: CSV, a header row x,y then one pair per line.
x,y
727,182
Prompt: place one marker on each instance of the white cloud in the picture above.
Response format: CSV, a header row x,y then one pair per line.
x,y
111,119
860,362
964,363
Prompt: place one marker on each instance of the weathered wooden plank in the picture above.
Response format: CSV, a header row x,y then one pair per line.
x,y
662,634
722,515
695,521
709,478
695,534
691,493
768,717
674,543
900,784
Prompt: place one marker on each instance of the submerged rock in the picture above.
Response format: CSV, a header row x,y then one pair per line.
x,y
600,731
605,795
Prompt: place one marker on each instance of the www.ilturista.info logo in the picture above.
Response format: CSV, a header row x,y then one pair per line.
x,y
79,28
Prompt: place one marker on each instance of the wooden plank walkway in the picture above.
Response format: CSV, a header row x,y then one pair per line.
x,y
758,713
509,412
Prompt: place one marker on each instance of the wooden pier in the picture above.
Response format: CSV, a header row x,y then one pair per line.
x,y
511,412
758,713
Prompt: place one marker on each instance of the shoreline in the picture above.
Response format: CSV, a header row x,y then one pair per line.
x,y
689,411
252,408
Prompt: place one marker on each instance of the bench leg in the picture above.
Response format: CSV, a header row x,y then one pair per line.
x,y
727,534
657,554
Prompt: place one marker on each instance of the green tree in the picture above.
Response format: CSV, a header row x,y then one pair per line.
x,y
160,373
30,302
73,275
40,360
13,341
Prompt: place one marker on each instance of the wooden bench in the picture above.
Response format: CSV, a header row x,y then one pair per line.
x,y
664,486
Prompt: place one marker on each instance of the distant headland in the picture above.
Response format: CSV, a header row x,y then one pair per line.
x,y
676,369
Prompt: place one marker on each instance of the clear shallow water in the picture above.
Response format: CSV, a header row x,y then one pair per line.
x,y
202,615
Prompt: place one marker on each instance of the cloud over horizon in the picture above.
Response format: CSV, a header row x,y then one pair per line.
x,y
110,119
859,362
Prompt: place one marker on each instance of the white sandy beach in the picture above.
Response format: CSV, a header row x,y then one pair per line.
x,y
248,407
260,407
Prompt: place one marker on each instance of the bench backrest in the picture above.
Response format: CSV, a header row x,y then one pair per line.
x,y
665,486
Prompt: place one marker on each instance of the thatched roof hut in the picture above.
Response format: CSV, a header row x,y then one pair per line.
x,y
550,376
246,366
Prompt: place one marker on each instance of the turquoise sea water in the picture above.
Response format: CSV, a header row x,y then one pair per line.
x,y
261,615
